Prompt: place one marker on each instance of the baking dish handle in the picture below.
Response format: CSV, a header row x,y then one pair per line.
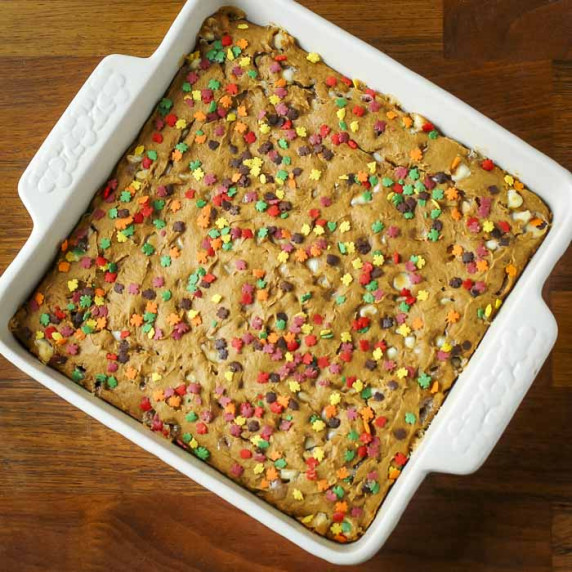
x,y
484,402
73,151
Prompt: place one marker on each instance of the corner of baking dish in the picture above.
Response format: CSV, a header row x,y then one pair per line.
x,y
106,115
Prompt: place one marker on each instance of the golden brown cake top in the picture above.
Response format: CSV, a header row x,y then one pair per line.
x,y
285,274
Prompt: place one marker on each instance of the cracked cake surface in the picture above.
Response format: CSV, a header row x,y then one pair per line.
x,y
284,275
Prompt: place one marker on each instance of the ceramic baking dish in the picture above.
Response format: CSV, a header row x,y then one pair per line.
x,y
106,116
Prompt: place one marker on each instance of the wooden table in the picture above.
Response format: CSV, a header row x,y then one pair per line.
x,y
76,496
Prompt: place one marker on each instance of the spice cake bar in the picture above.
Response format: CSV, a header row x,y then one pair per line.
x,y
284,275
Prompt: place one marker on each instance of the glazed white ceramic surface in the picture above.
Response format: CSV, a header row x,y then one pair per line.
x,y
106,116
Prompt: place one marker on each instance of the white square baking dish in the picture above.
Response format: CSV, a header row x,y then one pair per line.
x,y
106,116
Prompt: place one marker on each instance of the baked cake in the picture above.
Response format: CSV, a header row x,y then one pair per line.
x,y
284,275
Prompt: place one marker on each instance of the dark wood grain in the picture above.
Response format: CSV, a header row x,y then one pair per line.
x,y
75,496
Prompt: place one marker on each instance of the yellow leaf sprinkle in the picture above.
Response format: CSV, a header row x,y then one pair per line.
x,y
297,494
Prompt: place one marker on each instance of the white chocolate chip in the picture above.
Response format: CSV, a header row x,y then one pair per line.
x,y
492,244
309,443
514,200
313,264
461,172
401,281
368,310
522,216
440,341
288,74
45,350
391,352
534,230
116,335
359,200
289,474
279,40
410,341
418,121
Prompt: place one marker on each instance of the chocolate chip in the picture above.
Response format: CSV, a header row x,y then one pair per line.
x,y
334,422
179,226
468,257
274,377
223,313
282,316
332,259
467,345
303,151
400,433
265,148
235,366
233,149
185,304
440,177
118,288
123,213
220,344
386,322
437,225
327,154
297,171
213,145
286,286
493,190
496,233
293,114
77,319
253,425
149,294
271,397
504,241
363,246
370,364
378,396
393,385
293,404
455,282
244,181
